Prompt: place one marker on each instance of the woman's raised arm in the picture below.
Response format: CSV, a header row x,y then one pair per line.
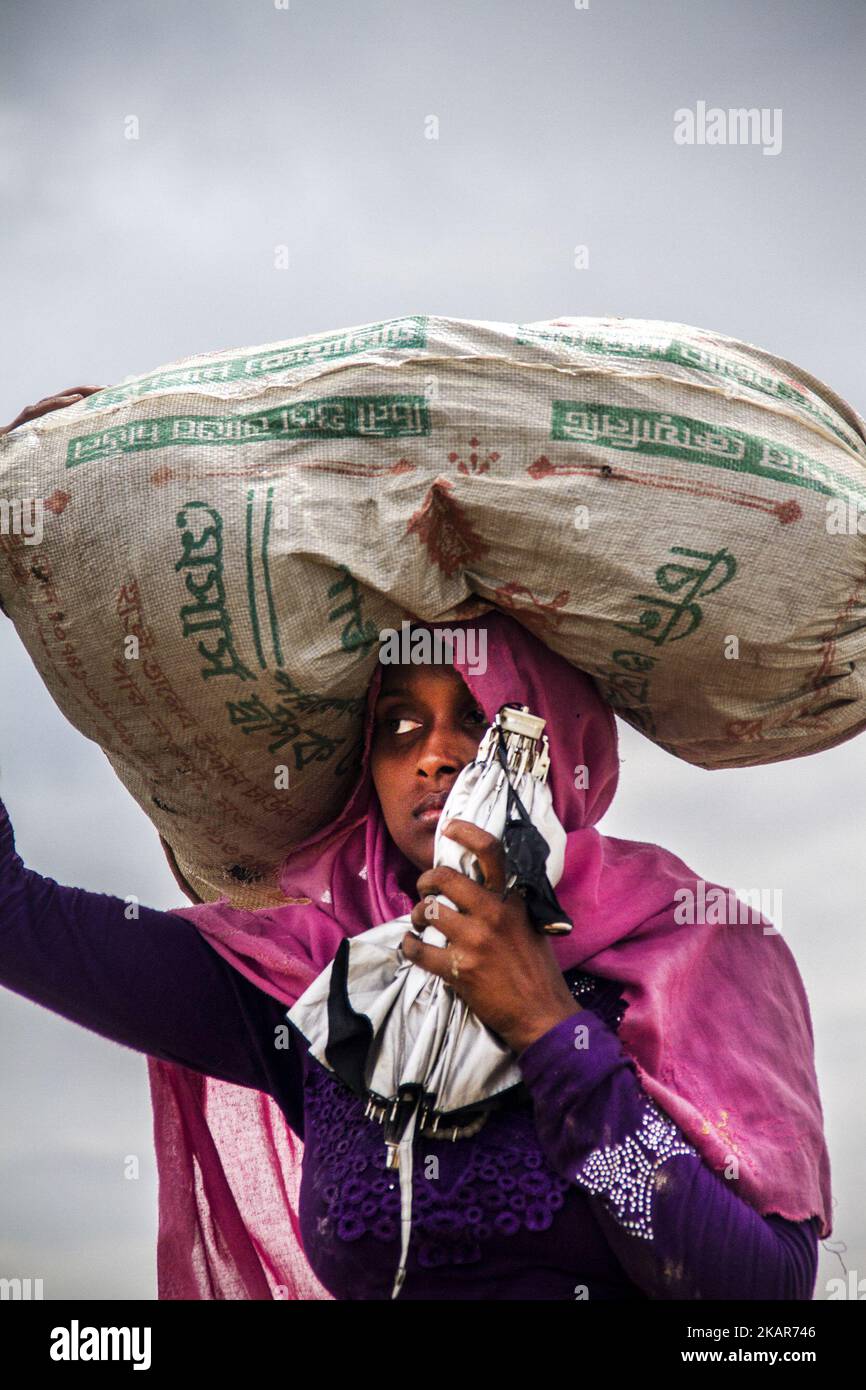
x,y
48,403
151,982
678,1229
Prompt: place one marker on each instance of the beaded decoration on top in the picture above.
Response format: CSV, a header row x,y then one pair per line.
x,y
622,1174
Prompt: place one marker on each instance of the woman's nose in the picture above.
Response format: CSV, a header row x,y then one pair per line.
x,y
443,757
440,764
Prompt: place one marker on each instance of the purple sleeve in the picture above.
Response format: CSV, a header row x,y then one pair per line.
x,y
152,983
678,1229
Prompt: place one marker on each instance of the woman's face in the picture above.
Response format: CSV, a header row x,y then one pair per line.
x,y
427,727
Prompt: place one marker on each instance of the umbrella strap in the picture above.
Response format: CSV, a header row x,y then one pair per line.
x,y
526,851
406,1156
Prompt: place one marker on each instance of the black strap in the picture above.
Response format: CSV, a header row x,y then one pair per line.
x,y
526,852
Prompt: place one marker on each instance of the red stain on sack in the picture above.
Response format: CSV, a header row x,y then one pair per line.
x,y
57,502
442,527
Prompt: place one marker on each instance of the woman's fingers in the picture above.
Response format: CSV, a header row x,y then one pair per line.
x,y
471,897
439,960
49,403
486,848
431,912
69,393
467,895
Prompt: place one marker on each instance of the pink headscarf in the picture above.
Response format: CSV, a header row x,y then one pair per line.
x,y
717,1023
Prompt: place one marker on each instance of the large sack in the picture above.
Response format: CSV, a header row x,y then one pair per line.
x,y
673,510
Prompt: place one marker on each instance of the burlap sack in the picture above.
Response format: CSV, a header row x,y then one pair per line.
x,y
225,539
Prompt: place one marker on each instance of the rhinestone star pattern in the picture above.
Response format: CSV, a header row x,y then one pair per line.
x,y
622,1174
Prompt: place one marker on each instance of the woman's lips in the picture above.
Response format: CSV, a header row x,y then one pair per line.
x,y
431,806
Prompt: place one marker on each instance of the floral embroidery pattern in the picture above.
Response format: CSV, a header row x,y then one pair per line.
x,y
505,1185
502,1188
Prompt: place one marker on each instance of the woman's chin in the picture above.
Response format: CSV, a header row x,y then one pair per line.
x,y
420,846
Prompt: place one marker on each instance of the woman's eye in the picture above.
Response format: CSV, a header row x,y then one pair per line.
x,y
397,720
403,724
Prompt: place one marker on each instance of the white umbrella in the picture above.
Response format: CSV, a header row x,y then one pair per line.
x,y
400,1035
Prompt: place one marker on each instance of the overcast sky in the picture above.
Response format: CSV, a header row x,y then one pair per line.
x,y
261,127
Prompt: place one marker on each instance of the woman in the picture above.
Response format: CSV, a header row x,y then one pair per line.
x,y
590,1189
669,1140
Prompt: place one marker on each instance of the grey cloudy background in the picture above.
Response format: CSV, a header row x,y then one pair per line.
x,y
305,127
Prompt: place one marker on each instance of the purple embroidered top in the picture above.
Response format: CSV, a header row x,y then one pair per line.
x,y
588,1190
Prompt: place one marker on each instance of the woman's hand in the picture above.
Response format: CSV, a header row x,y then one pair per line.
x,y
495,960
67,397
